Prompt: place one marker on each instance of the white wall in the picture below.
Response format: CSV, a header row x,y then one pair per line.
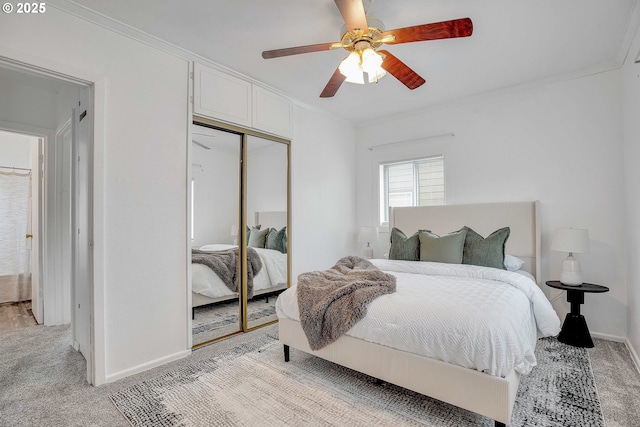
x,y
560,144
323,191
632,190
266,179
26,105
15,150
141,145
217,200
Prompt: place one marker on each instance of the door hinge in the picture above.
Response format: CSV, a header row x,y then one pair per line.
x,y
191,74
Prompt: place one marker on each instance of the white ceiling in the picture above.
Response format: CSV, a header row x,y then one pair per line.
x,y
513,43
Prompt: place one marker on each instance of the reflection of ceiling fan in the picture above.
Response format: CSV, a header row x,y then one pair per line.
x,y
362,35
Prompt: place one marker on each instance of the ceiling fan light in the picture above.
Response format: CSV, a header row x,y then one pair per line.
x,y
373,78
372,65
351,68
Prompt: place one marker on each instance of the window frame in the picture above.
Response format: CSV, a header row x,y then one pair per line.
x,y
383,183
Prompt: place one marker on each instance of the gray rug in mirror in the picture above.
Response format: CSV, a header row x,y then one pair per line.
x,y
215,320
251,385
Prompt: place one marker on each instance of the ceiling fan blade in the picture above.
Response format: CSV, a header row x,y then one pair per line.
x,y
439,30
276,53
401,71
334,84
352,12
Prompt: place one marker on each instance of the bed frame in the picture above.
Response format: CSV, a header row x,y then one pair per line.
x,y
469,389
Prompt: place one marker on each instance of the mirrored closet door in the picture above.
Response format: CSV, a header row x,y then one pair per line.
x,y
215,221
240,223
266,195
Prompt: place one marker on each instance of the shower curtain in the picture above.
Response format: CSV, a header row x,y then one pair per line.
x,y
15,255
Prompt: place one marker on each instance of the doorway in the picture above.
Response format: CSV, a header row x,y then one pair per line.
x,y
18,209
58,113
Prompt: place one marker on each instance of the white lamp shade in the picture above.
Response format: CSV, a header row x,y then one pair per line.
x,y
574,240
351,68
368,234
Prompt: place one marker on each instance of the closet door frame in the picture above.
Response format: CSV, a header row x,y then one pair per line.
x,y
242,228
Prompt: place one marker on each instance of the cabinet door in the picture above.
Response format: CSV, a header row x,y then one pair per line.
x,y
271,112
220,96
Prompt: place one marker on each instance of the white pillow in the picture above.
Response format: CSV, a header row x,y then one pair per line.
x,y
512,263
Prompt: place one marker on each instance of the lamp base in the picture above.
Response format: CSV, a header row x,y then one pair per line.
x,y
571,274
368,252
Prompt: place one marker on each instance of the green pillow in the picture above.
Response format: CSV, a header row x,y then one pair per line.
x,y
257,238
257,227
487,252
447,248
403,247
277,240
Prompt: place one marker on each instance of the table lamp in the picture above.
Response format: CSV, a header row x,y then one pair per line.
x,y
368,235
572,240
234,233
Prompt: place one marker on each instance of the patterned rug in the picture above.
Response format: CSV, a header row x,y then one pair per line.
x,y
251,385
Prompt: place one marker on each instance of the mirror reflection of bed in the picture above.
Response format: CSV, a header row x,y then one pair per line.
x,y
217,196
215,307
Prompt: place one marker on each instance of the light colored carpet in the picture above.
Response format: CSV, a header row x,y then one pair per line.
x,y
618,383
251,385
42,380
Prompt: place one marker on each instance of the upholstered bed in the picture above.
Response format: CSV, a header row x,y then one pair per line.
x,y
208,288
483,384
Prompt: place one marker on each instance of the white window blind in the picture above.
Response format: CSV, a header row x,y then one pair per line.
x,y
411,183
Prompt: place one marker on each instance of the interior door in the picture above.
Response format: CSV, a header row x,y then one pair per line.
x,y
240,188
82,233
267,215
216,233
37,174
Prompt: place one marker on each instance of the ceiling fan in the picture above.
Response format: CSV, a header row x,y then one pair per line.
x,y
362,35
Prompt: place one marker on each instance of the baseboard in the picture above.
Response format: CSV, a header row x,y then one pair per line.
x,y
625,341
608,337
146,366
634,355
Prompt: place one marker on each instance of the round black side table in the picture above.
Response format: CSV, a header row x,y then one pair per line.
x,y
574,329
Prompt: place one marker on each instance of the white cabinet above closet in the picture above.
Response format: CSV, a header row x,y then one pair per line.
x,y
221,96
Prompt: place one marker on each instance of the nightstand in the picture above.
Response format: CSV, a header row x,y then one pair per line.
x,y
574,329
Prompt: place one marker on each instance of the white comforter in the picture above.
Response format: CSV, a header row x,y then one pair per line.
x,y
272,274
476,317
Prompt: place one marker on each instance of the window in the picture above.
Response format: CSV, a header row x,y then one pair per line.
x,y
411,183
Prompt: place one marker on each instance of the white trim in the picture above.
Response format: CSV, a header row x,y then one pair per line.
x,y
147,365
47,66
188,207
625,341
608,337
634,354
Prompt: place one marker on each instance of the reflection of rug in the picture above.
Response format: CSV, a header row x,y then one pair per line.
x,y
251,385
210,318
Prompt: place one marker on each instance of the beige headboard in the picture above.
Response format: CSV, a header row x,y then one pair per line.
x,y
521,217
271,219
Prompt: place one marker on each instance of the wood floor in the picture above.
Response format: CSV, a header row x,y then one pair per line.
x,y
15,316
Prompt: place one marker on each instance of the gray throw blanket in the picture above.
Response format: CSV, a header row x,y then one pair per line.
x,y
225,265
332,301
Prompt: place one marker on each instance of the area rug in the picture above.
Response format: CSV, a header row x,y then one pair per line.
x,y
251,385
